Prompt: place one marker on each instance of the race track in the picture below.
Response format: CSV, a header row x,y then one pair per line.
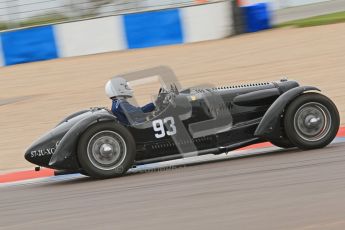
x,y
270,189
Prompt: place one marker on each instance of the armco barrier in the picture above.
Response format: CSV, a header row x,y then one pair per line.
x,y
138,30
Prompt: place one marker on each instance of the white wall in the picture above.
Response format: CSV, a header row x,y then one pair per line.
x,y
207,22
199,23
90,36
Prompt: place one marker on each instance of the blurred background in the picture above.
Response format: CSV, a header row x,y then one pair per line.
x,y
19,13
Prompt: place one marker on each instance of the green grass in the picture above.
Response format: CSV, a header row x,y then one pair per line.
x,y
317,20
48,18
44,19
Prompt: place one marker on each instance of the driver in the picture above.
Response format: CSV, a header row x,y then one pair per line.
x,y
118,90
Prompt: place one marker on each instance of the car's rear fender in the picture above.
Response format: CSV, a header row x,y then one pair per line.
x,y
269,127
67,147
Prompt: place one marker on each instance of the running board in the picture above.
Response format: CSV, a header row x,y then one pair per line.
x,y
218,150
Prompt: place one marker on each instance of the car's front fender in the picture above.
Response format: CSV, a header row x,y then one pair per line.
x,y
68,144
269,126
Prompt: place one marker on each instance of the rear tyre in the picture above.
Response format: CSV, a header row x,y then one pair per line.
x,y
311,121
106,150
283,143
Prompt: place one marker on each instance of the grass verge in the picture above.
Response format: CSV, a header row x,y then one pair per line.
x,y
317,20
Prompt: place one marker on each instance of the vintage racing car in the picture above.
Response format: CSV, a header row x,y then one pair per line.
x,y
190,122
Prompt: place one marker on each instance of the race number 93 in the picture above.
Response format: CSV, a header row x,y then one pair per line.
x,y
160,124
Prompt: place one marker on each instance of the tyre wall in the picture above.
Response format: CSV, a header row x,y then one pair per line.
x,y
131,31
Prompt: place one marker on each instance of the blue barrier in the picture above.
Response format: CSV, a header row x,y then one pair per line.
x,y
153,28
29,45
257,17
120,32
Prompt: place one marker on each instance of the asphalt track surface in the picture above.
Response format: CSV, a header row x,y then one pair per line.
x,y
270,189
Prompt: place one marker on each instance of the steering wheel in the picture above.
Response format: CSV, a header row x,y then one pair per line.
x,y
163,99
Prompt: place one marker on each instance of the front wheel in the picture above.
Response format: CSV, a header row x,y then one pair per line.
x,y
311,121
106,150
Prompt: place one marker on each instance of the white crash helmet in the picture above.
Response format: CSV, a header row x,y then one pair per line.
x,y
118,87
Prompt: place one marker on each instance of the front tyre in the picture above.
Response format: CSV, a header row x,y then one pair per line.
x,y
106,150
311,121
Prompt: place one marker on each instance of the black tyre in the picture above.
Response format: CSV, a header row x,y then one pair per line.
x,y
283,143
106,150
311,121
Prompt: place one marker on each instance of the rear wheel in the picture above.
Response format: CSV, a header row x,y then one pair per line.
x,y
283,143
311,121
106,150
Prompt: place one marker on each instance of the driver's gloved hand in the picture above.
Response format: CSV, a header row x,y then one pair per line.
x,y
148,108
